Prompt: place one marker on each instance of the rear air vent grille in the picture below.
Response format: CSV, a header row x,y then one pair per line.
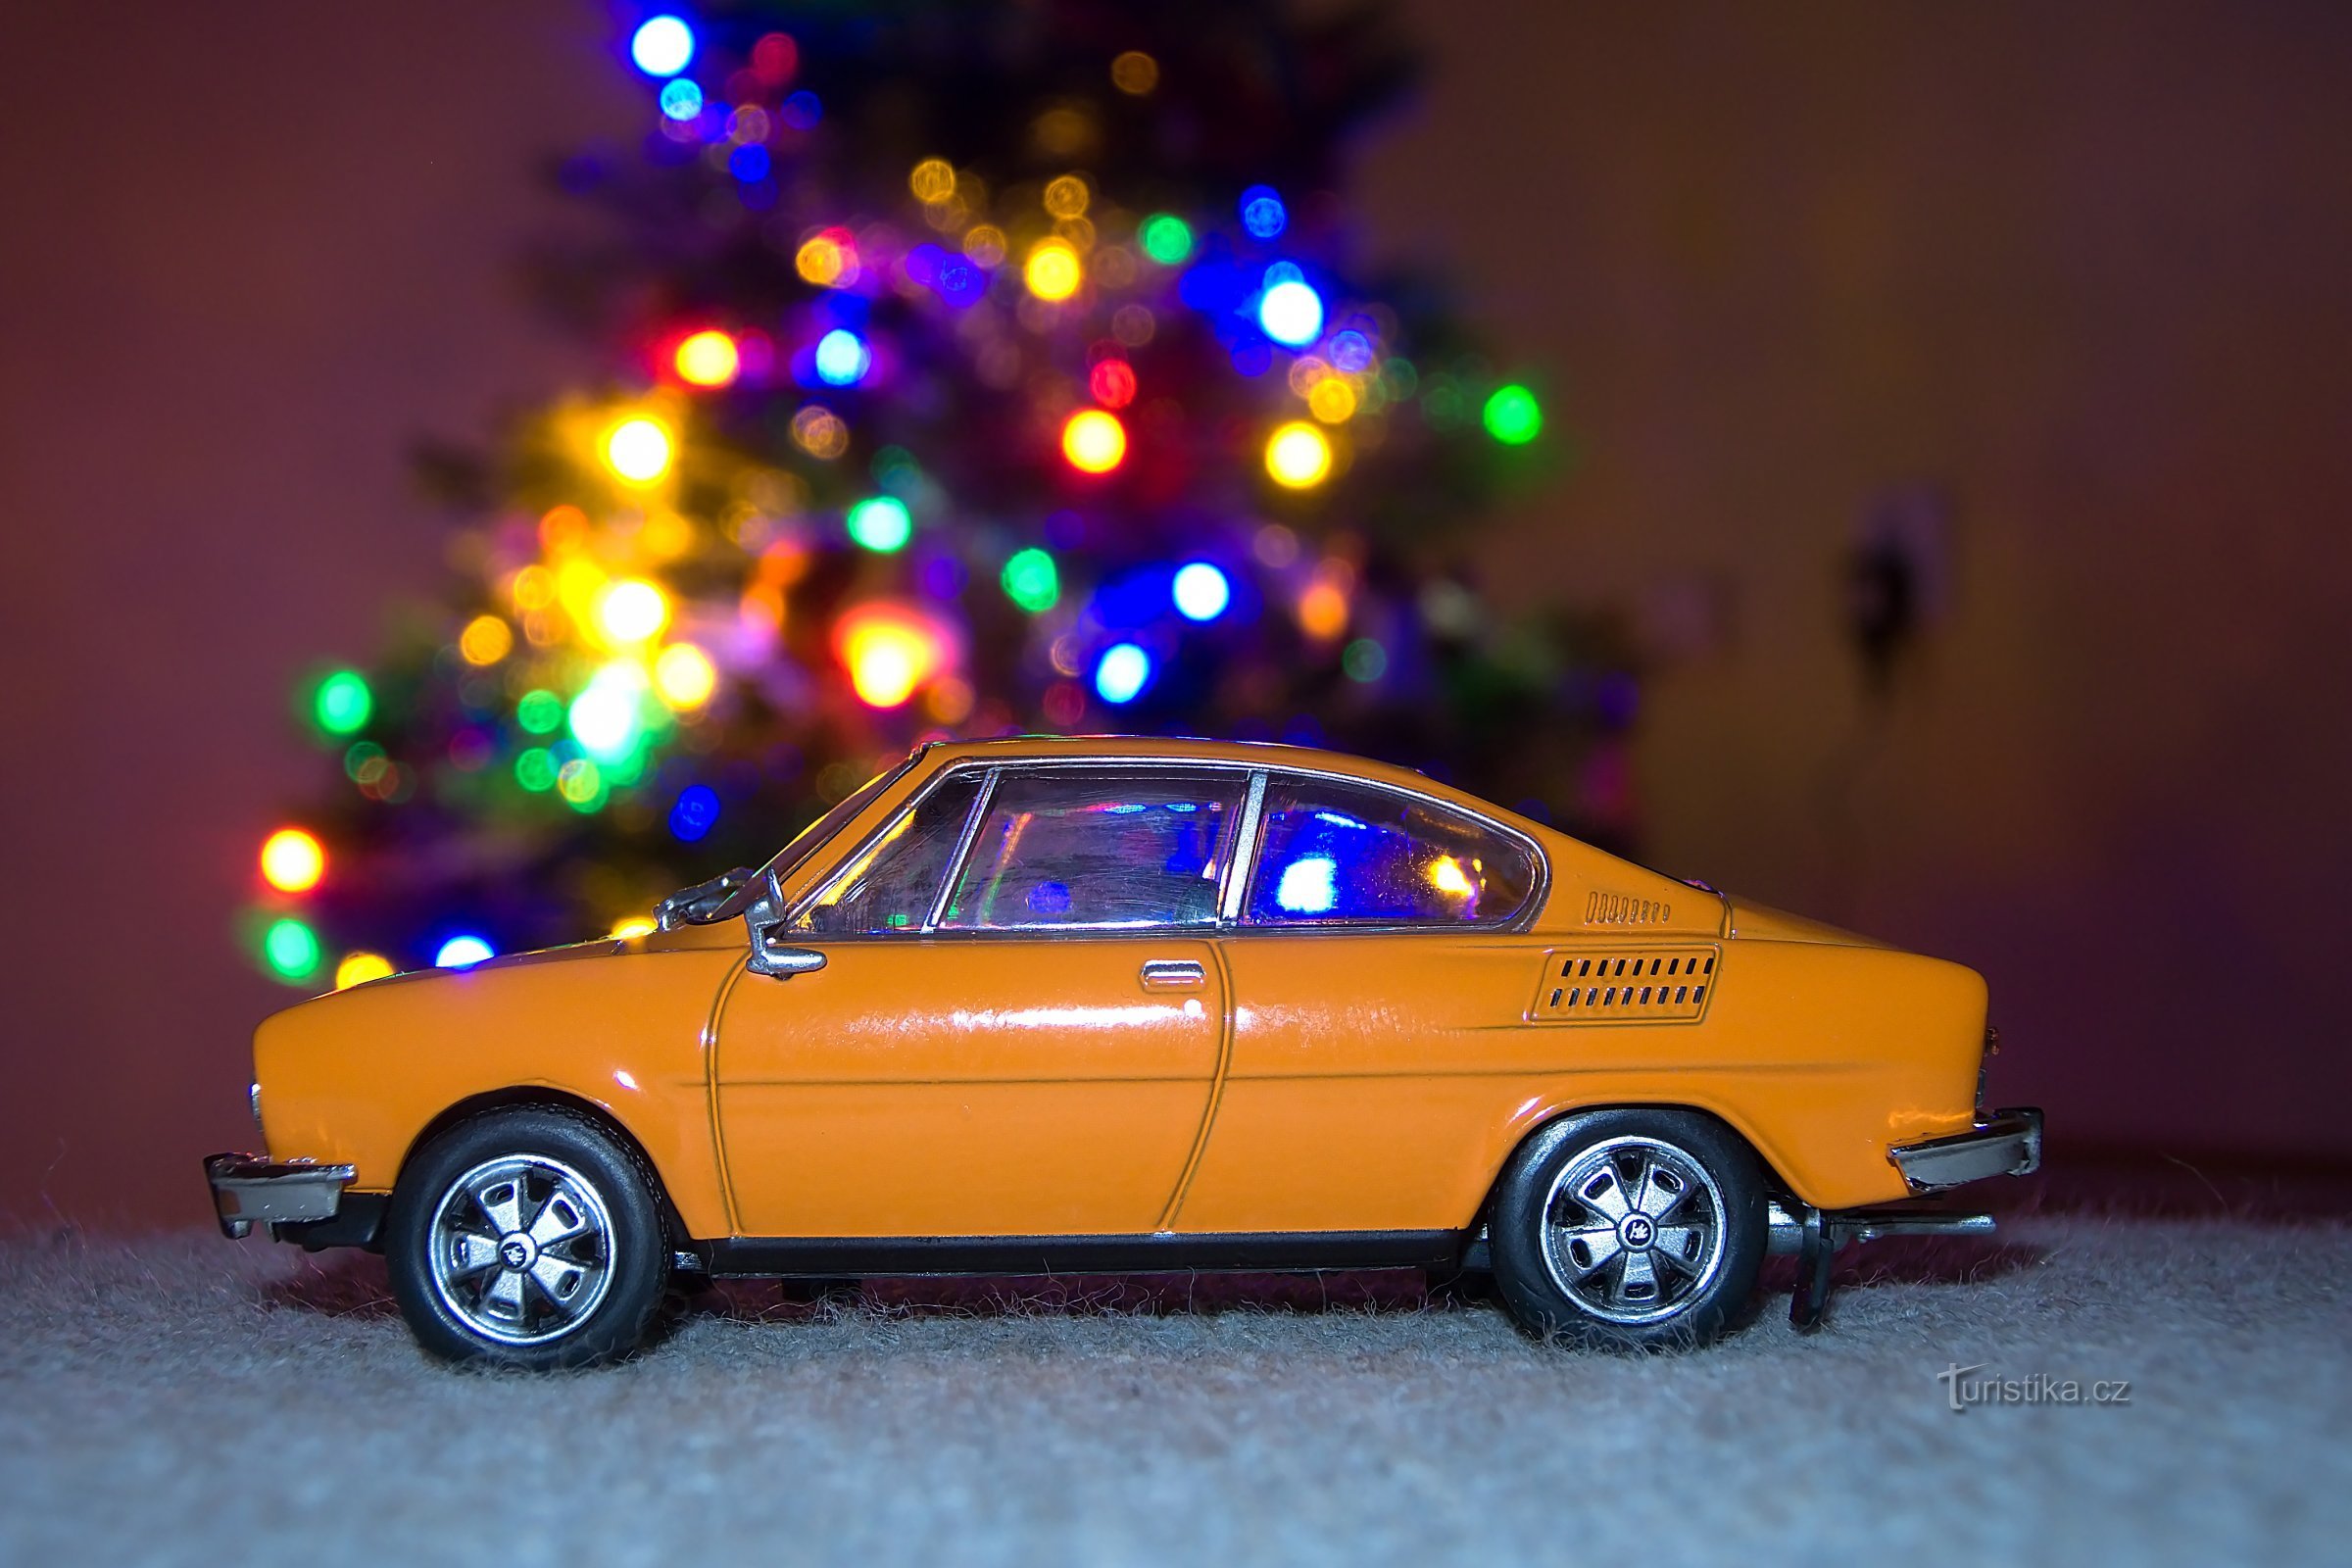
x,y
1619,908
1648,985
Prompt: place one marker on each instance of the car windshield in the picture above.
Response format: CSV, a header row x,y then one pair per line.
x,y
810,840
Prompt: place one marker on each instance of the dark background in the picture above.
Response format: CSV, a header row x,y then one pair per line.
x,y
2083,274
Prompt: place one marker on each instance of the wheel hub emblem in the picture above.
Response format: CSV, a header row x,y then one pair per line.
x,y
515,1251
1637,1230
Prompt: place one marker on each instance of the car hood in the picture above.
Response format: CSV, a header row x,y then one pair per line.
x,y
1761,923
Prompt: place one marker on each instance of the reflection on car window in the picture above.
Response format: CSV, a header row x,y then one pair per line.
x,y
888,888
1095,847
1338,854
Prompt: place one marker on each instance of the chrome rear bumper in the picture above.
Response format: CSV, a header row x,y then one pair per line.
x,y
248,1188
2008,1143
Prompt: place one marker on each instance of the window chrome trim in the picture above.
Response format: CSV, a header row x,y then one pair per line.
x,y
963,849
1242,863
866,846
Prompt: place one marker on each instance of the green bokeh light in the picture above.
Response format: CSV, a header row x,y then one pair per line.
x,y
1032,582
881,524
291,950
1513,417
535,769
343,702
539,711
1167,239
1365,660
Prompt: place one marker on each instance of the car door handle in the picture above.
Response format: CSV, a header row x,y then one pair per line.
x,y
1174,974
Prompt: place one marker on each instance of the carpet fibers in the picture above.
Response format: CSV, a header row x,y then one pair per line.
x,y
183,1399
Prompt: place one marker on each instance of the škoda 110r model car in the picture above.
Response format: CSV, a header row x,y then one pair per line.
x,y
1128,1005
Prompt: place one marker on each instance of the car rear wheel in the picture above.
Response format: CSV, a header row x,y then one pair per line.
x,y
526,1237
1631,1229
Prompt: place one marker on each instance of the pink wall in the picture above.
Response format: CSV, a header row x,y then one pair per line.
x,y
2085,270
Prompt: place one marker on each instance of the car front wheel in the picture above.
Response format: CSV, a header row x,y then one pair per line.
x,y
526,1237
1632,1229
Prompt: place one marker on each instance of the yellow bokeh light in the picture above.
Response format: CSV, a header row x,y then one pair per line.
x,y
983,245
1445,874
890,653
684,676
1332,400
486,640
1093,441
631,611
635,926
292,861
359,967
1052,271
1134,73
933,180
1323,611
709,359
820,432
825,262
638,450
1298,456
1067,196
534,588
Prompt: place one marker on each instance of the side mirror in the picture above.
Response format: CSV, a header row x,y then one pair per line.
x,y
770,955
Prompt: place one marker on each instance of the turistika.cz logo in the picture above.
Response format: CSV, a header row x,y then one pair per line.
x,y
1963,1389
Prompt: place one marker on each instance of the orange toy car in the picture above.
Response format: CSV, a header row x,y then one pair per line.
x,y
1126,1006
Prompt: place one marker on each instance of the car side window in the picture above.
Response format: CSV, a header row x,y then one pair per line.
x,y
1099,848
1336,854
889,887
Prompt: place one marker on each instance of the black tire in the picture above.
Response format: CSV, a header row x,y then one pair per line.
x,y
1569,1259
586,1297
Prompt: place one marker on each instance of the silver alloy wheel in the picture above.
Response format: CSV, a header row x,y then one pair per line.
x,y
1633,1230
521,1248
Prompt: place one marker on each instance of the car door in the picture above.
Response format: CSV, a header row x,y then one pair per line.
x,y
1378,988
1017,1024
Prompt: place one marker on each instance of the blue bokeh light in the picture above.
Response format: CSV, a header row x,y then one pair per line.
x,y
694,814
1262,212
681,99
749,163
662,46
1308,886
800,111
1200,591
1121,674
842,358
463,952
1291,312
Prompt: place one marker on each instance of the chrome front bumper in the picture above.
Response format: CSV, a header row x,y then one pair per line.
x,y
248,1188
2007,1143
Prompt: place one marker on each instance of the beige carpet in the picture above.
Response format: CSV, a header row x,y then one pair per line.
x,y
189,1401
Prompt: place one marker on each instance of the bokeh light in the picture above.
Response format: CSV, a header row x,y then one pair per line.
x,y
1323,610
486,640
292,861
681,99
1052,271
1200,591
638,449
662,46
360,966
1121,673
1332,400
290,949
342,703
933,180
1298,456
631,611
1066,196
1262,213
1291,312
881,523
1166,238
463,952
535,769
684,676
1364,661
820,432
827,258
539,711
581,783
1093,441
631,926
1134,73
1032,581
889,650
709,359
1113,383
1512,416
607,715
694,814
842,358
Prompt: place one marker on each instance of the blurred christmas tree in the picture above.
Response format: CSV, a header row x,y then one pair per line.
x,y
974,370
